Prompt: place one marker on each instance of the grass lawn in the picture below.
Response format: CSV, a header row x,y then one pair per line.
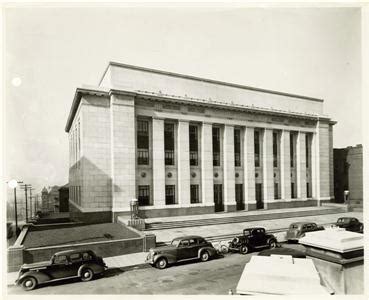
x,y
78,234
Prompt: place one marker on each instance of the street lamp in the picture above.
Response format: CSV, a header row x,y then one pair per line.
x,y
13,185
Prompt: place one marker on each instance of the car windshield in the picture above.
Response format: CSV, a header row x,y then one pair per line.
x,y
294,226
343,220
175,242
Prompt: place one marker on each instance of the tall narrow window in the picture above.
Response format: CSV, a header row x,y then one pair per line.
x,y
276,191
307,149
293,190
195,193
170,194
194,147
275,150
257,148
307,190
216,146
237,147
143,195
169,143
142,142
292,154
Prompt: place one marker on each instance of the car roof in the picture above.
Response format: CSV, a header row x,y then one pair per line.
x,y
66,252
188,237
301,223
252,228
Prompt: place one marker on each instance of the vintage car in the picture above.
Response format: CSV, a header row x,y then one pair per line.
x,y
62,265
283,251
350,224
251,239
181,249
298,229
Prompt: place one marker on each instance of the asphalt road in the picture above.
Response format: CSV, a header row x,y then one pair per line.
x,y
216,276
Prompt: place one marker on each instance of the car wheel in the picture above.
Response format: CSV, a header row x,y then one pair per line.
x,y
161,263
87,275
272,244
204,256
244,249
29,283
224,249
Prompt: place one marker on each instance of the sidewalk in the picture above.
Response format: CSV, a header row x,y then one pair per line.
x,y
166,235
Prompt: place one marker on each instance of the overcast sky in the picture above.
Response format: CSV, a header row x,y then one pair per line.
x,y
307,51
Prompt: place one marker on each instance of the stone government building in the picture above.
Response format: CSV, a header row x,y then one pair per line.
x,y
187,145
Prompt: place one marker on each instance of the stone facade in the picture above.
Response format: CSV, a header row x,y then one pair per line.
x,y
186,145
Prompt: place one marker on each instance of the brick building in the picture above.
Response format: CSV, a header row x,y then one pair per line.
x,y
187,145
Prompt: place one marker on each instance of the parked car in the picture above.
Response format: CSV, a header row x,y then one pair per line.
x,y
181,249
350,224
298,229
251,239
283,251
84,264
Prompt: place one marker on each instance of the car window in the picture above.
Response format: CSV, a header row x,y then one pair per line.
x,y
61,259
201,241
192,242
246,232
184,243
294,226
175,243
86,256
75,257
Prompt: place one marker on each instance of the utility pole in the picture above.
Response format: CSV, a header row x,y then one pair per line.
x,y
13,184
25,187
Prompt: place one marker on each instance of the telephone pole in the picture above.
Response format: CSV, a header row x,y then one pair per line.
x,y
25,187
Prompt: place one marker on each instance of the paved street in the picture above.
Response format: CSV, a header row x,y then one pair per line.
x,y
216,276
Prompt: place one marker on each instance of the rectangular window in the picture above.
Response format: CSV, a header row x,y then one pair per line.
x,y
216,146
257,148
307,148
237,147
169,143
275,149
307,190
195,193
142,142
170,194
276,191
292,154
143,195
240,205
293,190
194,140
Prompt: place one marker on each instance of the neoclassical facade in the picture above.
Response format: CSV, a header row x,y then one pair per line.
x,y
187,145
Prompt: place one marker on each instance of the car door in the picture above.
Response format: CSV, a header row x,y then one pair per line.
x,y
76,261
61,267
193,248
255,238
182,250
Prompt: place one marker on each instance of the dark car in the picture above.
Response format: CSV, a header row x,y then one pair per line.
x,y
297,230
283,251
62,265
181,249
251,239
350,224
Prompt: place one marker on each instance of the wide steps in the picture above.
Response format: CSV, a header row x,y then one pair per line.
x,y
240,219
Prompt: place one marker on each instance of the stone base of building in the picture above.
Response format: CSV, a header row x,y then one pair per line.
x,y
90,217
290,204
230,208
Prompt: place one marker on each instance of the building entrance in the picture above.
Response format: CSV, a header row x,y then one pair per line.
x,y
218,198
240,204
259,196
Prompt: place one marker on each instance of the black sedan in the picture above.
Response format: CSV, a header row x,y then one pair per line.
x,y
350,224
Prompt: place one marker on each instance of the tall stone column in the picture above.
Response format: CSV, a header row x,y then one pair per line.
x,y
301,165
249,168
158,163
229,169
207,187
315,174
285,165
268,179
183,148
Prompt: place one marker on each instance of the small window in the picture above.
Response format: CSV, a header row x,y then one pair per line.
x,y
193,242
61,259
75,257
184,243
86,256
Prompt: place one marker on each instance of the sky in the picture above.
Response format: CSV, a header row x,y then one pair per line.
x,y
49,52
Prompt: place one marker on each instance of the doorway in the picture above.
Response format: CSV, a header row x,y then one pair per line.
x,y
240,204
218,198
259,196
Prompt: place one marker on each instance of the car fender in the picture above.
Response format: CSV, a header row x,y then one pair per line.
x,y
169,257
210,250
94,267
40,276
271,238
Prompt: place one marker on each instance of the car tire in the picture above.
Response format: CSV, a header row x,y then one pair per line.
x,y
224,249
204,256
87,275
244,249
272,244
29,283
161,263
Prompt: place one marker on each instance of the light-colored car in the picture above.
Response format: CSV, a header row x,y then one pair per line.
x,y
298,229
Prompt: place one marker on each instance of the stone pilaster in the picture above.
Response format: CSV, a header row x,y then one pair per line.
x,y
123,147
302,153
249,168
285,165
229,169
268,179
183,148
158,163
207,187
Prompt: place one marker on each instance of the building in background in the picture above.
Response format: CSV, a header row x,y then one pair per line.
x,y
187,145
50,199
348,175
64,198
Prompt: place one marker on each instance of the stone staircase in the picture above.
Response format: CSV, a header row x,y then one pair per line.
x,y
242,217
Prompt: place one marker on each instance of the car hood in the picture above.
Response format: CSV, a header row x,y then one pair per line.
x,y
36,265
163,248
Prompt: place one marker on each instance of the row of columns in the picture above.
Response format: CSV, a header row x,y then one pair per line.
x,y
228,165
